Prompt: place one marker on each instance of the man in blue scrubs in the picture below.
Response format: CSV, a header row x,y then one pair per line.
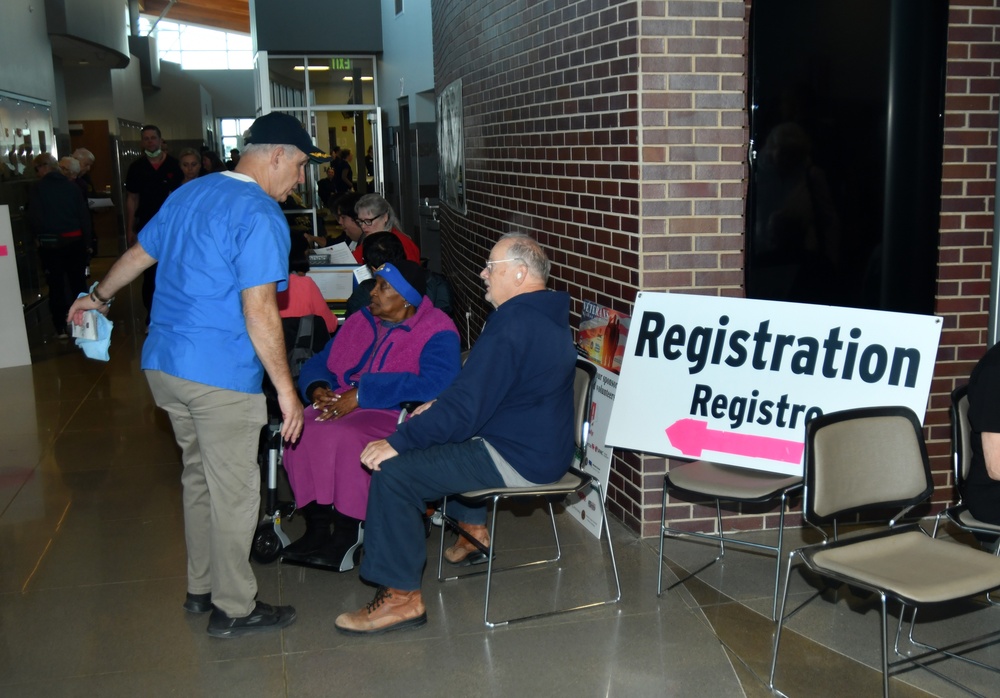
x,y
221,243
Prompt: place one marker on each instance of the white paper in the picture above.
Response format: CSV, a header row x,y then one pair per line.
x,y
339,254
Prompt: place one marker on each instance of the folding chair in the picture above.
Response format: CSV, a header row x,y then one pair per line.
x,y
871,460
573,482
961,461
702,480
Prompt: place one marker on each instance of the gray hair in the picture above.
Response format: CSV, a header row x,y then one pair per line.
x,y
526,249
257,149
82,154
377,206
71,164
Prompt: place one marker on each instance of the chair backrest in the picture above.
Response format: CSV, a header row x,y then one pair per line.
x,y
862,459
583,388
304,336
961,435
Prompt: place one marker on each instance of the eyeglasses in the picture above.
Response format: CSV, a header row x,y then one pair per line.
x,y
490,263
368,221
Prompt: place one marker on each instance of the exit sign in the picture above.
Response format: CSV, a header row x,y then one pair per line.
x,y
341,63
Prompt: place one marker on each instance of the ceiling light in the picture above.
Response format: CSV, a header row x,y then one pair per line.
x,y
313,67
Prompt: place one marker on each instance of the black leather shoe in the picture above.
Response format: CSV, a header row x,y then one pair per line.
x,y
263,618
198,603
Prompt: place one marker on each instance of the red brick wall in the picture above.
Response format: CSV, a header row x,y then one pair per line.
x,y
615,131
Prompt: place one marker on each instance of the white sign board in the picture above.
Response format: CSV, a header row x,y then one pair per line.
x,y
734,381
13,335
597,454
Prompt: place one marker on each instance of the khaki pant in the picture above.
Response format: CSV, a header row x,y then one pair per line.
x,y
218,431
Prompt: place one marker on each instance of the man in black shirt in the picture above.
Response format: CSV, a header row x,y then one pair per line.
x,y
149,182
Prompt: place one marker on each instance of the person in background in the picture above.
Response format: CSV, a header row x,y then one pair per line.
x,y
303,297
234,159
377,249
343,175
326,190
190,162
211,162
148,183
400,349
86,186
60,222
83,181
222,247
505,421
374,214
343,210
369,167
70,167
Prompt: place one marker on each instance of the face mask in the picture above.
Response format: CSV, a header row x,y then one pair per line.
x,y
153,154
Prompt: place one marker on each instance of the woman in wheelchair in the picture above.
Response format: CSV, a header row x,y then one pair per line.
x,y
400,349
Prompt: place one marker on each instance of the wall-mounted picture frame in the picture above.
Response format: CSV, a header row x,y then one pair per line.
x,y
451,141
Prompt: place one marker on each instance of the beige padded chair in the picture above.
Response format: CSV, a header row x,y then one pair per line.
x,y
573,482
961,461
871,460
702,480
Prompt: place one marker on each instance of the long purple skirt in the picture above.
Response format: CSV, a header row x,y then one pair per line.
x,y
325,465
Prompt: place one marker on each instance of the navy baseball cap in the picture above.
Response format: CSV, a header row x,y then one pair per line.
x,y
283,129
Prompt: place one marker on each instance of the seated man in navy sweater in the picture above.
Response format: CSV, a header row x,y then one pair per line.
x,y
505,421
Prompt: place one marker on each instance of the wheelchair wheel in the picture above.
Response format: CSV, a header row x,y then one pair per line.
x,y
266,545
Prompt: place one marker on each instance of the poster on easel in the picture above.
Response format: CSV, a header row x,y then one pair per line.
x,y
602,336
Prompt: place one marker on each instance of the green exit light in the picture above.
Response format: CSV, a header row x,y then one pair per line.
x,y
341,63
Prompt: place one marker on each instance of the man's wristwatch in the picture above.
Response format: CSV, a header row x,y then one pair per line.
x,y
97,299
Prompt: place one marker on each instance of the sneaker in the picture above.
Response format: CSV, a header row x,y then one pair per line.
x,y
464,552
263,618
391,609
198,603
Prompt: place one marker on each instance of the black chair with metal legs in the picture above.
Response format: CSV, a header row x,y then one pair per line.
x,y
702,480
573,482
874,460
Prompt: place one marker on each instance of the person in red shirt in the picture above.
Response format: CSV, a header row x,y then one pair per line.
x,y
303,296
374,215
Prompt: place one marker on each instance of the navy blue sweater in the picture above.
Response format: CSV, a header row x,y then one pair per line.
x,y
515,390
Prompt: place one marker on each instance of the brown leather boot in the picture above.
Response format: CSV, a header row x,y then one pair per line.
x,y
391,609
463,552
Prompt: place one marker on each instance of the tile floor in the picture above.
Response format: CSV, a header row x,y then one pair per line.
x,y
92,580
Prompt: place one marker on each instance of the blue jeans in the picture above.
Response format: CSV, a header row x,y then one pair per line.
x,y
395,546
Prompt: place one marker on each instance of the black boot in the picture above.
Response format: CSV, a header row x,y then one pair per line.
x,y
317,536
348,535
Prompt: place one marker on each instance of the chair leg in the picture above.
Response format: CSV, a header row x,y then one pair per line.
x,y
489,565
722,533
663,534
611,547
444,525
781,618
555,533
777,557
885,647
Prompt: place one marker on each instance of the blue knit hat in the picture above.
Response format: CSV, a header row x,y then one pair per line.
x,y
407,278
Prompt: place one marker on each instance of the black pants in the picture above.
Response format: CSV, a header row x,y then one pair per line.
x,y
65,272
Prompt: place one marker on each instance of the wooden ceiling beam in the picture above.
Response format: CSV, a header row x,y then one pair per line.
x,y
228,15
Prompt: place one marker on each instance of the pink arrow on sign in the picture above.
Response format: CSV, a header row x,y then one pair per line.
x,y
692,436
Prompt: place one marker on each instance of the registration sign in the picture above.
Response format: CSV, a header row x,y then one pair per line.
x,y
734,380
